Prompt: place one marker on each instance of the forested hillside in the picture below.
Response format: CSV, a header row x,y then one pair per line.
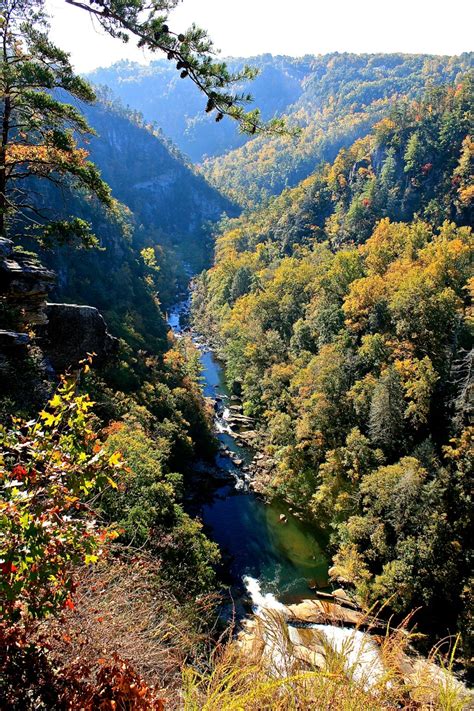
x,y
343,96
148,175
343,309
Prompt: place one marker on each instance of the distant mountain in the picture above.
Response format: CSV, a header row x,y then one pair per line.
x,y
177,106
334,99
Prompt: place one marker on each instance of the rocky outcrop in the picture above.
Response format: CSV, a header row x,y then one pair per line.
x,y
72,332
68,332
24,286
12,341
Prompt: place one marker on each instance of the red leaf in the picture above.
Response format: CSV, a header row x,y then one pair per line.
x,y
69,603
7,567
19,471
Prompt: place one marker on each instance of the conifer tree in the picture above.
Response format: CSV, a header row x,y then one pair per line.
x,y
192,51
39,131
386,413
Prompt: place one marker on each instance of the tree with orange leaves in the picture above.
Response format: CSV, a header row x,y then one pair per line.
x,y
39,130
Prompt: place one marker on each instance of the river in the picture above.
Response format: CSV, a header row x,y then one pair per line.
x,y
284,559
269,563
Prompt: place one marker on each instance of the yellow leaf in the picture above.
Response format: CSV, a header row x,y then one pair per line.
x,y
55,401
48,417
115,459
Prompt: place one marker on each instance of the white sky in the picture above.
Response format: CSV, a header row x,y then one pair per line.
x,y
248,27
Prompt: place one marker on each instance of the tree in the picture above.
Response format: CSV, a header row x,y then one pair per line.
x,y
388,182
386,412
39,130
192,51
414,153
241,283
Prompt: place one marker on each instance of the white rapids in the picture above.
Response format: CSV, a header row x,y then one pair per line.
x,y
361,654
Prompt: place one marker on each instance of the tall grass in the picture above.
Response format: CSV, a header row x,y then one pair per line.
x,y
274,675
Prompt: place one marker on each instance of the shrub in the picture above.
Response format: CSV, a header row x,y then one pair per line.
x,y
49,468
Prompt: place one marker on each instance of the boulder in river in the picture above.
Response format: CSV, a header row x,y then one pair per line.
x,y
341,595
325,612
236,387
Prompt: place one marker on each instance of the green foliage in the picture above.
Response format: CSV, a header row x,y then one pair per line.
x,y
349,354
39,132
160,424
49,468
148,510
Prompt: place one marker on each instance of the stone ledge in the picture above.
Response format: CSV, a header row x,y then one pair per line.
x,y
10,340
73,331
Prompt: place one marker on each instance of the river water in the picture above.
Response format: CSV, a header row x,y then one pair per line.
x,y
268,563
285,559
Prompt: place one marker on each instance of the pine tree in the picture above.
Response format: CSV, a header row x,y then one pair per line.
x,y
414,153
192,51
386,413
39,131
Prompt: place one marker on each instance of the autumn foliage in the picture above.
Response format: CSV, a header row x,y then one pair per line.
x,y
49,469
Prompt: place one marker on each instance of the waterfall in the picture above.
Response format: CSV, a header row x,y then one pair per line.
x,y
361,655
260,601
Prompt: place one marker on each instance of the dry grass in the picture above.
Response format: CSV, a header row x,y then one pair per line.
x,y
246,678
120,610
234,685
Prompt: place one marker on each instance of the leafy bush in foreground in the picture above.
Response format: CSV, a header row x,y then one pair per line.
x,y
48,469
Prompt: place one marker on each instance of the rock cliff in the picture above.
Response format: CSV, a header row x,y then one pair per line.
x,y
65,333
73,331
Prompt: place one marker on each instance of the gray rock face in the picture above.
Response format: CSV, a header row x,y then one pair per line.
x,y
74,331
6,247
24,285
68,332
11,340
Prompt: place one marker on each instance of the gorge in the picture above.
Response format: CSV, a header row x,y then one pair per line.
x,y
235,376
262,541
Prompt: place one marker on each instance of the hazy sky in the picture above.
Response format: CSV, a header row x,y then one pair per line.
x,y
296,27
